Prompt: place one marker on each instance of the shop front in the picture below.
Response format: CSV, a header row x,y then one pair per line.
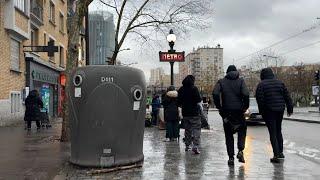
x,y
44,78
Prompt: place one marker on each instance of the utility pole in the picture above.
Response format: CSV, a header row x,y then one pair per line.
x,y
317,79
276,59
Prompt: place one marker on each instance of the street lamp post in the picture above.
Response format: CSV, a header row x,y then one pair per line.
x,y
274,57
171,38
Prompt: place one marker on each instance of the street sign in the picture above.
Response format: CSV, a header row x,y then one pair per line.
x,y
171,57
315,90
50,49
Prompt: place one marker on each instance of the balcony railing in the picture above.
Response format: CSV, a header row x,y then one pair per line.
x,y
37,10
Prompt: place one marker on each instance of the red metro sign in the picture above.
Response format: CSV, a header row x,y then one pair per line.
x,y
171,57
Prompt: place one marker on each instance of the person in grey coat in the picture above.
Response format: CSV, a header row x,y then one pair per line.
x,y
231,97
188,99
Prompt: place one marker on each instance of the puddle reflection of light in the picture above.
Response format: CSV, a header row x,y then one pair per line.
x,y
248,152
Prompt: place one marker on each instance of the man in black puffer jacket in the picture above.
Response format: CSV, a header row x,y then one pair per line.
x,y
272,97
234,94
188,99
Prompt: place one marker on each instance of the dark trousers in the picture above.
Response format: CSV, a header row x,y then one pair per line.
x,y
273,121
172,129
29,124
155,115
242,133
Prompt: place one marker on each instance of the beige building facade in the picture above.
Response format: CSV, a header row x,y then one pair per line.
x,y
206,64
31,23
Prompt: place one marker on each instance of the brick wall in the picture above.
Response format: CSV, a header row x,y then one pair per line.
x,y
53,30
21,21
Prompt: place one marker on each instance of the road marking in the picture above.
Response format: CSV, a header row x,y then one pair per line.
x,y
291,148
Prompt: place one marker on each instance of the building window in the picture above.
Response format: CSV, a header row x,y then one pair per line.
x,y
61,23
21,5
15,55
44,39
34,37
61,56
51,59
15,102
51,12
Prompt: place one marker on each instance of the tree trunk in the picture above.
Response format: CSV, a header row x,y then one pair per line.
x,y
76,12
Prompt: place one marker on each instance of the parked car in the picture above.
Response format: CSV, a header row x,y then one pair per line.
x,y
252,114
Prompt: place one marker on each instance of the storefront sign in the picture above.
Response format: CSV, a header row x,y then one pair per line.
x,y
44,77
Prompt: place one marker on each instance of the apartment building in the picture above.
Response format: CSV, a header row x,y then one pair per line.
x,y
102,37
206,64
31,23
156,76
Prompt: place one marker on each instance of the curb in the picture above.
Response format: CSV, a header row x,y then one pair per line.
x,y
313,111
302,120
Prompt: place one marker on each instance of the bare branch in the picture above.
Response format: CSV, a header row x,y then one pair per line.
x,y
131,22
119,21
109,5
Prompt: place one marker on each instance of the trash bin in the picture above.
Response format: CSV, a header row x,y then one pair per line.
x,y
107,113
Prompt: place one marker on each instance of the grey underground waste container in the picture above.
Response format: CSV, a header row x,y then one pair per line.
x,y
107,111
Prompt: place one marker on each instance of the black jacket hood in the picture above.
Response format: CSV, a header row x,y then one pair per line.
x,y
188,81
267,73
232,75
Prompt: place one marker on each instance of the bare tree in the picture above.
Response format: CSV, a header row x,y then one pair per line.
x,y
267,58
147,19
144,18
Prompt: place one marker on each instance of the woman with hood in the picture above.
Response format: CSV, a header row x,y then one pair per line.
x,y
171,114
33,104
188,99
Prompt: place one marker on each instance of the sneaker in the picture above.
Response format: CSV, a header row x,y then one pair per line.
x,y
281,156
231,161
275,160
240,157
167,140
196,150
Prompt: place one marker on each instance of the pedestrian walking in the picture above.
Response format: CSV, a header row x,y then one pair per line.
x,y
272,98
188,99
204,110
155,109
171,114
33,104
231,97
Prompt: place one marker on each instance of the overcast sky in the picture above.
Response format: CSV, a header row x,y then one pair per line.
x,y
243,27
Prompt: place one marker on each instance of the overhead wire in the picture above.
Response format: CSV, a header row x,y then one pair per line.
x,y
279,42
308,45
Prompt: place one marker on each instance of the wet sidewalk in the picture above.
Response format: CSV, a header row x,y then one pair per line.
x,y
306,114
31,155
168,160
39,155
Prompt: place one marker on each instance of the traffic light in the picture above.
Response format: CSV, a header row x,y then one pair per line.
x,y
317,75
